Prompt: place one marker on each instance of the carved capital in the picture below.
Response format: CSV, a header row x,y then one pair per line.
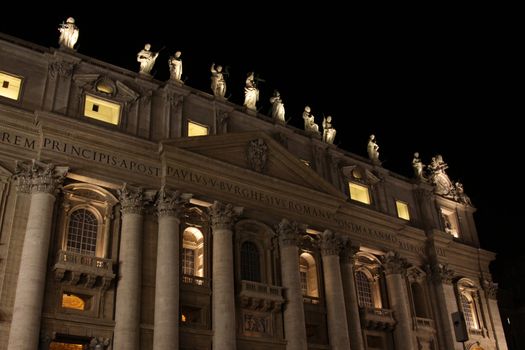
x,y
61,68
171,203
223,215
490,288
348,251
99,343
441,273
330,243
415,274
288,232
394,264
38,177
131,200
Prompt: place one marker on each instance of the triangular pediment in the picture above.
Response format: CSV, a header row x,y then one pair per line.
x,y
239,149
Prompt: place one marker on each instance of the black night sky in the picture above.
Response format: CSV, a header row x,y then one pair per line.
x,y
429,82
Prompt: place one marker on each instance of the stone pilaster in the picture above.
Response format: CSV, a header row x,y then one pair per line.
x,y
335,301
294,320
41,181
223,297
127,309
170,205
351,302
395,271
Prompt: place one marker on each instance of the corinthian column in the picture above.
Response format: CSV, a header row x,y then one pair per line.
x,y
335,299
166,332
127,309
41,180
223,297
294,325
351,302
395,271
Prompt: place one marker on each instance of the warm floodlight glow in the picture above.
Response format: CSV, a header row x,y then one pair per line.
x,y
102,110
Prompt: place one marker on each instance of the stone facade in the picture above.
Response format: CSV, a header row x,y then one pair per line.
x,y
136,236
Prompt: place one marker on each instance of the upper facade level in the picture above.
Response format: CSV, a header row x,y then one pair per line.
x,y
76,96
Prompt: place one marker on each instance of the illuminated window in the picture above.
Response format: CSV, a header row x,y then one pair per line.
x,y
102,110
402,210
359,193
450,219
10,86
82,232
195,129
364,290
469,311
183,318
65,346
308,268
192,256
71,301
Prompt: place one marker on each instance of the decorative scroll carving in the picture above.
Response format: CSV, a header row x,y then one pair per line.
x,y
394,264
223,215
171,203
288,232
131,200
61,68
330,243
257,154
441,273
39,177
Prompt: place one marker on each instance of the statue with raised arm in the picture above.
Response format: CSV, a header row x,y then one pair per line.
x,y
277,107
251,93
328,130
418,166
373,150
175,64
68,33
146,59
218,84
309,122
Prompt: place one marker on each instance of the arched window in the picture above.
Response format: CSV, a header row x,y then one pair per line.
x,y
364,290
308,271
250,262
469,311
420,307
82,232
192,254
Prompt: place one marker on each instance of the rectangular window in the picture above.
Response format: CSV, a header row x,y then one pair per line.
x,y
304,282
359,193
188,261
10,86
103,110
196,129
402,210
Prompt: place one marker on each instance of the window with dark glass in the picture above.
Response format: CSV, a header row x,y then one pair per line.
x,y
250,262
82,232
364,291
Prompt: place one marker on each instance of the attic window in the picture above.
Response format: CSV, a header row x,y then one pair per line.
x,y
196,129
10,86
359,193
103,110
402,210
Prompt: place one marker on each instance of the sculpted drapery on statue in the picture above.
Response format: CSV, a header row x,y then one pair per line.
x,y
373,150
251,93
328,130
68,33
438,176
418,166
146,59
175,64
218,84
277,107
309,122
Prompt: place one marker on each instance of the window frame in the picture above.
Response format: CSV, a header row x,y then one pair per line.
x,y
104,99
407,207
20,89
357,186
191,121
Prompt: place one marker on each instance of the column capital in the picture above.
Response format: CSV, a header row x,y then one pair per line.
x,y
490,288
39,177
394,264
223,215
330,243
131,199
441,273
288,232
171,203
348,251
